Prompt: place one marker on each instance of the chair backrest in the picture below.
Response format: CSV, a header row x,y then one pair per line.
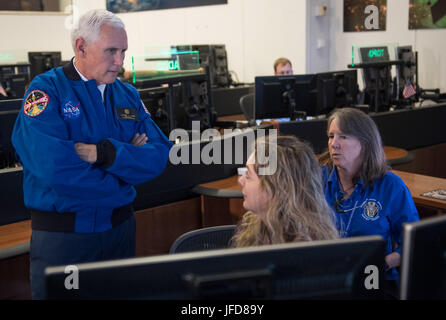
x,y
247,106
204,239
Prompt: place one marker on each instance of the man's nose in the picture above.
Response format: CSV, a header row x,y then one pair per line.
x,y
119,58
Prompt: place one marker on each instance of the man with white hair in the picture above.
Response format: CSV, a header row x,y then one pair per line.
x,y
85,139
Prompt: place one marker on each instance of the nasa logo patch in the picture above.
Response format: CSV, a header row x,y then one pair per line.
x,y
71,110
35,103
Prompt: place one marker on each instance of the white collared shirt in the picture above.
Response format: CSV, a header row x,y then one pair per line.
x,y
101,87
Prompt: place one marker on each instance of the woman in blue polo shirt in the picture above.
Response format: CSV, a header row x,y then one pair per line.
x,y
368,199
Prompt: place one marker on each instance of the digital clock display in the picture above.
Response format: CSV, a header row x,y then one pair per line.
x,y
371,54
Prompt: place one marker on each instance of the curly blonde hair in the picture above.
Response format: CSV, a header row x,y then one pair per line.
x,y
297,210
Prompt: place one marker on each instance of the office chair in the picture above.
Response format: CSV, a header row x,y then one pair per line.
x,y
247,106
204,239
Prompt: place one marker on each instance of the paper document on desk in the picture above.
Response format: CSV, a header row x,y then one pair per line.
x,y
436,194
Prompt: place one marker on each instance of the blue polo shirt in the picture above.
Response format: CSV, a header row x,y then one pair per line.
x,y
377,210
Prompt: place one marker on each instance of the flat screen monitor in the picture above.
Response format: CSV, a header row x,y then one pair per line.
x,y
274,96
7,152
370,55
333,269
41,62
406,74
377,78
11,104
15,85
189,103
406,71
336,89
423,263
156,101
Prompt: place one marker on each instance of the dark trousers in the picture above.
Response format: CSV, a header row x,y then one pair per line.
x,y
62,249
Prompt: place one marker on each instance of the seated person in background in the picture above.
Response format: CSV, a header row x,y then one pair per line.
x,y
367,198
287,205
283,67
3,94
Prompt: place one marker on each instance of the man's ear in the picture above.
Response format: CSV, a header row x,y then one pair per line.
x,y
80,45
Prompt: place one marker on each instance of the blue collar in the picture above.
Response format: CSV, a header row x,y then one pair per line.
x,y
334,178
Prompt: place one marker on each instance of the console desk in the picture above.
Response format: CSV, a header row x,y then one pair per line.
x,y
220,197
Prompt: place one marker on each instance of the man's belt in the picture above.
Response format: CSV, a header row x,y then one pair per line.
x,y
65,222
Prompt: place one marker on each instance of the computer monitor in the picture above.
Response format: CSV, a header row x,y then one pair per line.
x,y
189,102
7,152
14,84
10,104
423,263
156,101
377,77
407,70
406,74
278,96
41,62
333,269
336,90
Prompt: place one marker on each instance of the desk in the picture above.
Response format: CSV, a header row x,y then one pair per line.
x,y
419,184
229,188
14,260
14,234
218,198
396,156
235,117
225,195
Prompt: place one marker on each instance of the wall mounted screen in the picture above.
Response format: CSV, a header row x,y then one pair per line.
x,y
120,6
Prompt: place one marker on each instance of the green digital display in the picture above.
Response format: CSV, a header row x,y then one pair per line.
x,y
167,65
372,53
376,53
164,64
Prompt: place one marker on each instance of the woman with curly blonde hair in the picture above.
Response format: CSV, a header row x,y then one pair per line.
x,y
288,205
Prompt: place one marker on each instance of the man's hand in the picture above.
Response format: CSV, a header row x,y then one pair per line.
x,y
139,139
89,153
86,152
393,260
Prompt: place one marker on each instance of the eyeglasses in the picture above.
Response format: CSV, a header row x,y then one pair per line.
x,y
337,205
